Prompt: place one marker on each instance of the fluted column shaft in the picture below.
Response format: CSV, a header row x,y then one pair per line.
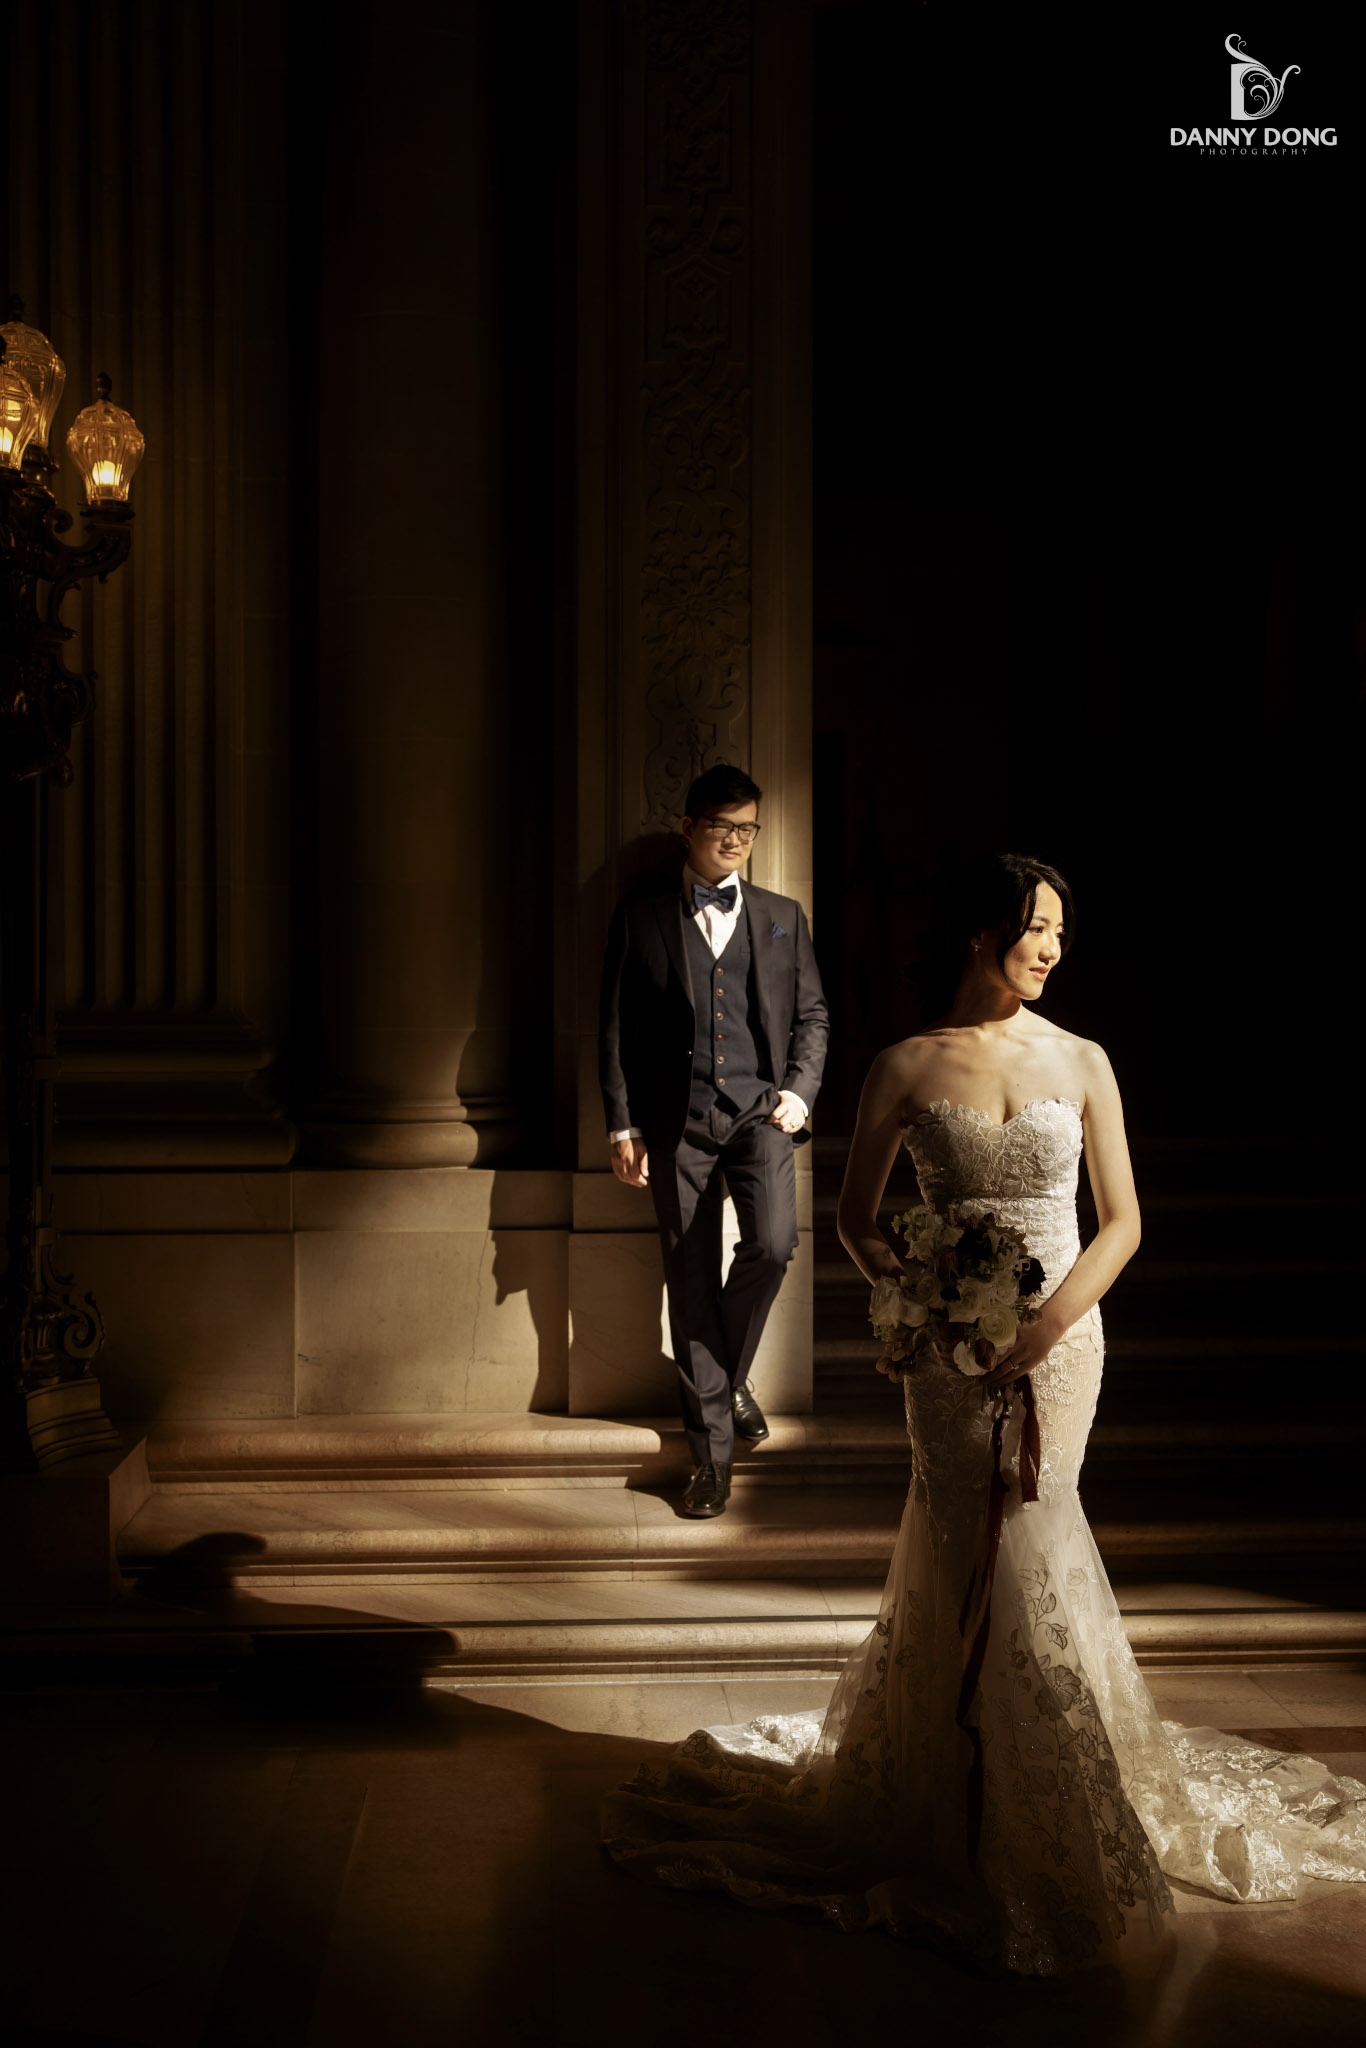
x,y
146,237
412,729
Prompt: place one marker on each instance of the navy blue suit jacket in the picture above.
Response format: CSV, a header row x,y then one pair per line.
x,y
647,1023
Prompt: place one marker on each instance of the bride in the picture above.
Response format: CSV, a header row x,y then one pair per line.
x,y
992,1775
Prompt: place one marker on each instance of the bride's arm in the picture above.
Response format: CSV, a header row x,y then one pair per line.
x,y
1115,1242
876,1138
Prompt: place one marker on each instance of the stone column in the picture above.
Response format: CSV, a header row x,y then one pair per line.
x,y
145,235
411,723
694,548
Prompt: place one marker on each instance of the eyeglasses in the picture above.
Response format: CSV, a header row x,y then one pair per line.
x,y
723,828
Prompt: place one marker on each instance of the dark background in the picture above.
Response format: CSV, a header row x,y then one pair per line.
x,y
1090,578
1090,573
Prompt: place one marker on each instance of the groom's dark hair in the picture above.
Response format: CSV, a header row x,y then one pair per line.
x,y
719,785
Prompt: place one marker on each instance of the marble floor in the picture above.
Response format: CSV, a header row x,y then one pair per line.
x,y
195,1869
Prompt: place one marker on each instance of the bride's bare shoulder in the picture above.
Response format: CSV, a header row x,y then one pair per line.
x,y
1083,1058
897,1066
909,1053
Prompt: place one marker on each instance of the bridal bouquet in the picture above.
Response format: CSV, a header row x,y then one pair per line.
x,y
969,1280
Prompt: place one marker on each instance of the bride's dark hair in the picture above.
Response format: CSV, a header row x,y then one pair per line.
x,y
1001,890
996,893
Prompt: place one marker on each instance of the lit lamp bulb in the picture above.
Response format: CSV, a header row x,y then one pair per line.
x,y
106,446
18,415
31,355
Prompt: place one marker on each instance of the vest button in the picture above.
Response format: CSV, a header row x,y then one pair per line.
x,y
720,1081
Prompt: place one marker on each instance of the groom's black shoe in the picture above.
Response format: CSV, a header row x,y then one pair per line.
x,y
749,1416
708,1493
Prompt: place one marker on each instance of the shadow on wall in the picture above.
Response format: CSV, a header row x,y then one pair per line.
x,y
618,1364
522,1264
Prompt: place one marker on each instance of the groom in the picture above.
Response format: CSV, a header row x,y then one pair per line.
x,y
712,1041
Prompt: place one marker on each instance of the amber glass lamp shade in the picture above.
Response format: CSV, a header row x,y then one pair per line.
x,y
106,445
31,355
18,417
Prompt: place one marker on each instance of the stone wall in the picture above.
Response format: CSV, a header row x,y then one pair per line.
x,y
230,1296
317,1155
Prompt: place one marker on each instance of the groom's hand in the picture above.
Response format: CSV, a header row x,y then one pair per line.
x,y
790,1114
631,1162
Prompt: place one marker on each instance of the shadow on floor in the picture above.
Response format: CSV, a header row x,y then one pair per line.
x,y
314,1864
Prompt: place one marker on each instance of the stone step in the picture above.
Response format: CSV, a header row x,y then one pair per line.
x,y
1176,1227
480,1452
273,1635
864,1442
559,1532
774,1532
842,1276
1178,1167
1177,1381
1294,1355
1200,1315
1192,1202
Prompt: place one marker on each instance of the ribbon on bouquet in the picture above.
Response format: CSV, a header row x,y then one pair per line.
x,y
978,1595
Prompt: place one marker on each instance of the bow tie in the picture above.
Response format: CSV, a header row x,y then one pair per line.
x,y
702,896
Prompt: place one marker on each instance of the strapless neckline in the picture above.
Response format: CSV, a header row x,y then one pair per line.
x,y
940,1111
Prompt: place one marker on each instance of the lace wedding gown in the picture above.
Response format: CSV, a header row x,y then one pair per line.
x,y
1032,1827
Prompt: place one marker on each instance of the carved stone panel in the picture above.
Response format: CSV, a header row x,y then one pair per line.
x,y
696,566
692,449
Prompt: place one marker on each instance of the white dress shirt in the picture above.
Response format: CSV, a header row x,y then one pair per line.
x,y
717,926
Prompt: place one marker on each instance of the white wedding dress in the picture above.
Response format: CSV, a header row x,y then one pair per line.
x,y
1033,1826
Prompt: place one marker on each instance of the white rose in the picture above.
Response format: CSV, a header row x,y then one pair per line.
x,y
965,1358
885,1306
891,1304
1004,1290
972,1299
1000,1327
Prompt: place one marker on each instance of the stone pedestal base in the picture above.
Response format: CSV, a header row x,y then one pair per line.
x,y
480,1132
258,1296
58,1529
198,1097
67,1423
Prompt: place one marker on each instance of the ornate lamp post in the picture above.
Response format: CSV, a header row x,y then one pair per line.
x,y
50,1334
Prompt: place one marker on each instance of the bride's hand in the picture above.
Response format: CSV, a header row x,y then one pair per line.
x,y
1036,1339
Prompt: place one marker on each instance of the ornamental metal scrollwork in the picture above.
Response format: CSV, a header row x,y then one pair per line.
x,y
42,701
50,1333
696,569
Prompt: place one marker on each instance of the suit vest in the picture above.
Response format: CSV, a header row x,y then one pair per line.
x,y
730,1061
